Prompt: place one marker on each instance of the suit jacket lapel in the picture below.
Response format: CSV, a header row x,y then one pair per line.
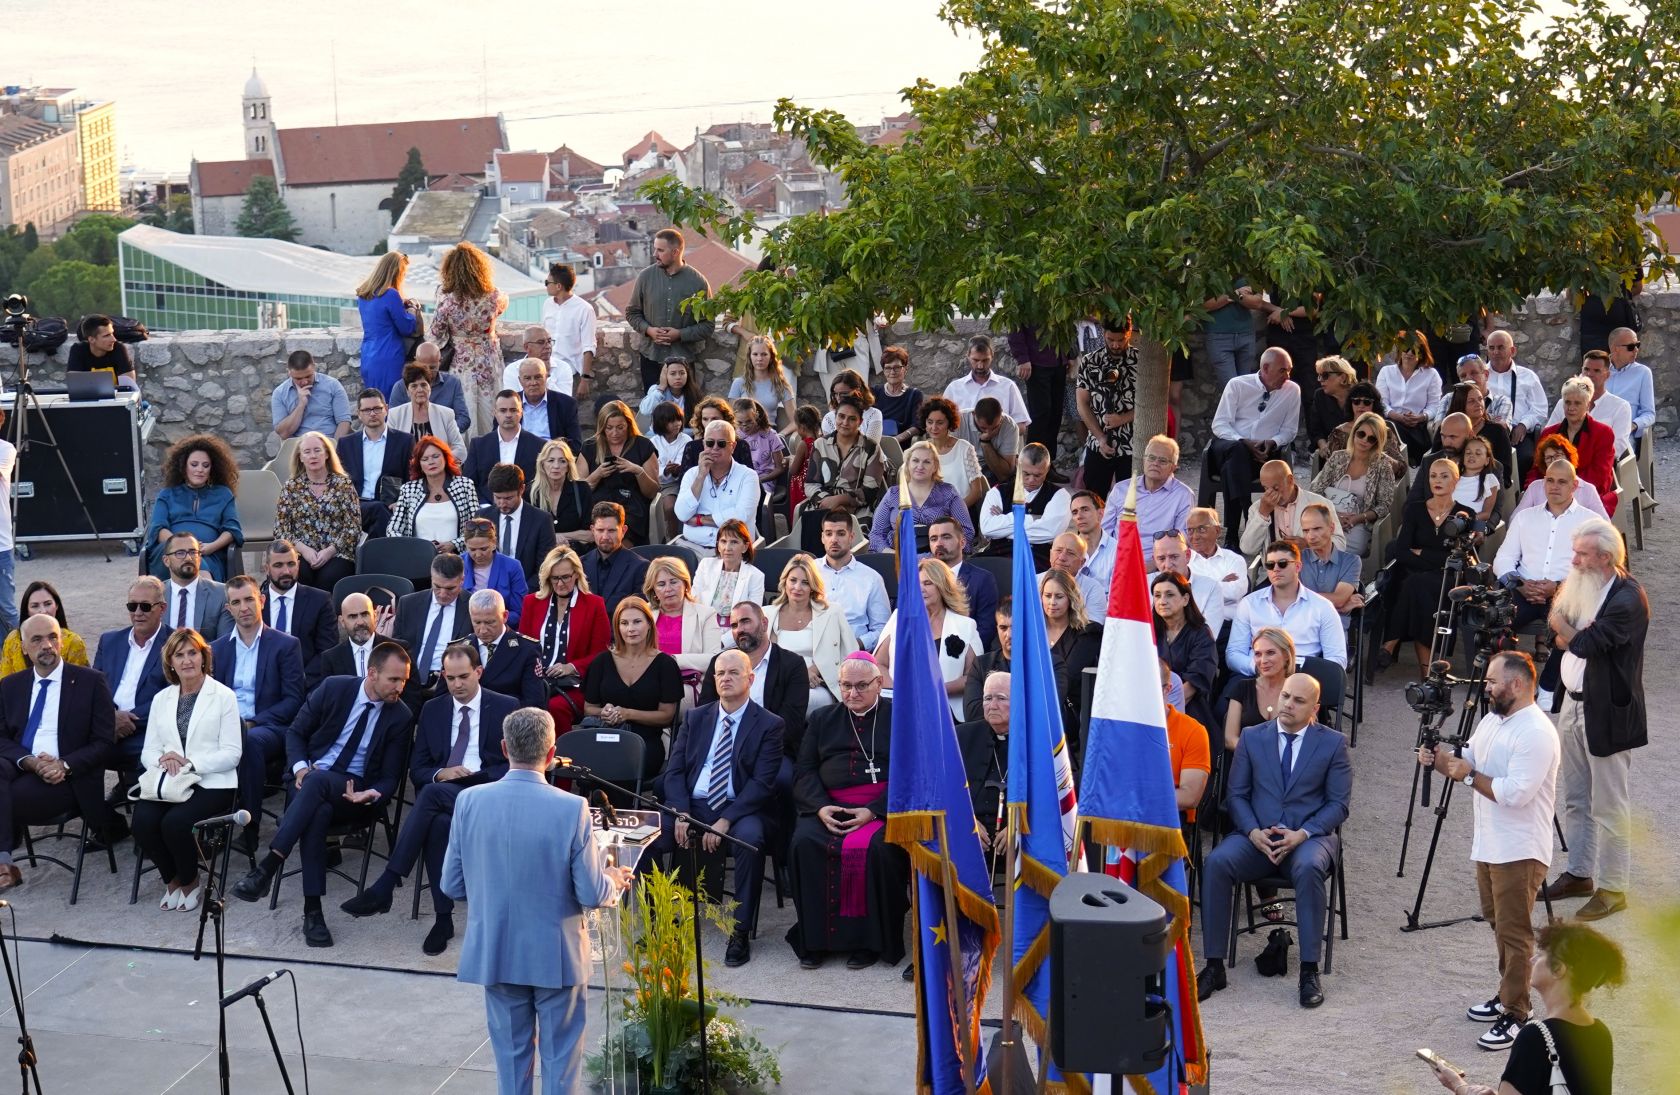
x,y
1310,739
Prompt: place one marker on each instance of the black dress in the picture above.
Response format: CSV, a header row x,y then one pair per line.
x,y
1195,658
625,488
829,761
571,510
660,682
1412,612
1586,1055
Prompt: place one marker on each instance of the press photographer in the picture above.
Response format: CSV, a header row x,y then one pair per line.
x,y
1511,764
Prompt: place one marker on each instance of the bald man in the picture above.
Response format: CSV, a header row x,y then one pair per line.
x,y
1276,514
1456,429
722,771
1291,783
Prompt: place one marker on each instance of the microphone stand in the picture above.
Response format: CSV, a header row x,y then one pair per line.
x,y
219,836
26,1045
565,767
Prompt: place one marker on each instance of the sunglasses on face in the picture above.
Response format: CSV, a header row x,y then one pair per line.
x,y
1630,346
716,443
1366,435
1363,402
142,606
1278,564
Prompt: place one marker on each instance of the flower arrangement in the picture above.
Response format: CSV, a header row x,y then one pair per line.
x,y
659,1030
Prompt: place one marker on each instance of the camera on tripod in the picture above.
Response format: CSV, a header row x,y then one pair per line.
x,y
17,317
1488,608
1431,697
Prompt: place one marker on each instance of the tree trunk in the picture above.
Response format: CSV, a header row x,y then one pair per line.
x,y
1154,374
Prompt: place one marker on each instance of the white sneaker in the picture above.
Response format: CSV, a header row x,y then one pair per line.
x,y
1485,1013
190,901
171,900
1502,1033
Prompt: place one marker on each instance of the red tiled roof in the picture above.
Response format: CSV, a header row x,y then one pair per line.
x,y
896,136
1668,227
580,166
617,249
376,152
718,264
651,139
229,178
750,174
632,186
760,200
460,183
522,167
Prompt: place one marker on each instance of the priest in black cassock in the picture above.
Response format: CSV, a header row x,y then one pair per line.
x,y
852,888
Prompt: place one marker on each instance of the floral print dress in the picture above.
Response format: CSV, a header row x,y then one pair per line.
x,y
470,326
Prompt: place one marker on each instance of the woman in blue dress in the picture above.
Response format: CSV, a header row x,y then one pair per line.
x,y
386,321
199,481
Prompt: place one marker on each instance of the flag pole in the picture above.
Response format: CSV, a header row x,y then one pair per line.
x,y
903,505
1011,852
959,986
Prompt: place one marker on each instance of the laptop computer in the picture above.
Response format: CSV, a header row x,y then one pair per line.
x,y
90,387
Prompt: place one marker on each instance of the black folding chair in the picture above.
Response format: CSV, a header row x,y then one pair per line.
x,y
408,556
884,563
81,838
382,589
772,561
1332,687
1000,567
359,835
651,552
616,755
1335,905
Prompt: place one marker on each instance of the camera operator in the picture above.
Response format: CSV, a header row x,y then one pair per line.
x,y
1535,556
1599,620
1511,765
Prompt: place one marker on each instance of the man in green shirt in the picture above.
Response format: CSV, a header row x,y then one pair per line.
x,y
657,309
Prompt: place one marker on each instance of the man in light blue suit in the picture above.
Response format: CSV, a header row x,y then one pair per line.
x,y
521,855
1291,781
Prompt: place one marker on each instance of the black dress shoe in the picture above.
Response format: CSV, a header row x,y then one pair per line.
x,y
255,883
1210,980
909,973
1312,993
739,952
437,940
862,960
369,902
812,960
315,931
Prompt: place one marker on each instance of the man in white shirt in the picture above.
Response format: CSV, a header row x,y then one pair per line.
x,y
966,391
1047,509
1259,414
1535,554
1310,619
1510,765
1210,560
1172,552
854,587
1276,514
1607,407
1408,398
1522,387
570,322
1086,511
716,490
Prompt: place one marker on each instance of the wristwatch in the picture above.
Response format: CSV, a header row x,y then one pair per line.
x,y
1470,779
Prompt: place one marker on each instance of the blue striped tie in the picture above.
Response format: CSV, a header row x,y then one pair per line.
x,y
34,723
723,755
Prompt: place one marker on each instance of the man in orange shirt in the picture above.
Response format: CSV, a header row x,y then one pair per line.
x,y
1187,741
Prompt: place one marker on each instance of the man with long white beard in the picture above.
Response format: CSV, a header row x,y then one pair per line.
x,y
1598,619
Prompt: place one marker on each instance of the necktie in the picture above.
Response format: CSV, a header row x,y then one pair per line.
x,y
1289,741
507,532
723,753
347,755
458,751
181,608
281,617
361,661
429,648
35,710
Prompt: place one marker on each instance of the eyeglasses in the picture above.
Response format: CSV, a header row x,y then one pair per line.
x,y
1151,458
180,553
716,443
1279,564
859,686
1200,528
143,606
1366,435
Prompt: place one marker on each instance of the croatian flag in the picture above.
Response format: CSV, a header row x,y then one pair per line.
x,y
1127,794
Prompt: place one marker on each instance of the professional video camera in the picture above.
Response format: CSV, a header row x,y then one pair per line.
x,y
1431,698
1488,607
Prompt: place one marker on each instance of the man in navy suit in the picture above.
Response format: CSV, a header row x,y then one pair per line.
x,y
57,731
345,751
723,771
612,570
551,415
458,745
372,453
528,945
509,658
1290,785
303,612
508,443
945,543
426,621
523,531
264,667
132,660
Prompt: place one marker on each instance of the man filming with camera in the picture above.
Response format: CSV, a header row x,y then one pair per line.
x,y
1510,764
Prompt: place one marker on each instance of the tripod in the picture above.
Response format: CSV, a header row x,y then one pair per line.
x,y
697,828
218,835
22,405
26,1045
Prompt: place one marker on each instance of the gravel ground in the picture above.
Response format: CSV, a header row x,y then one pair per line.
x,y
1390,991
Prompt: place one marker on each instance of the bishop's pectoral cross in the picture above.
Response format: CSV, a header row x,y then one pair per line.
x,y
872,770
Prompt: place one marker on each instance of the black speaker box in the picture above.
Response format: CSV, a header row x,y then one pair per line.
x,y
1109,947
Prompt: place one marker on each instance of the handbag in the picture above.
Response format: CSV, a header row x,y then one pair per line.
x,y
157,785
1558,1085
411,343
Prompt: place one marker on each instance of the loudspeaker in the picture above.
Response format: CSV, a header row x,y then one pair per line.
x,y
1109,947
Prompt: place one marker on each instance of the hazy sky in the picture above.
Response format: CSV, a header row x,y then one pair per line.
x,y
596,78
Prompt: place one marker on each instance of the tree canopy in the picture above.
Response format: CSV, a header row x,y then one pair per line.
x,y
264,215
410,181
1411,162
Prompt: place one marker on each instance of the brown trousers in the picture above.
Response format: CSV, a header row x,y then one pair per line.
x,y
1507,891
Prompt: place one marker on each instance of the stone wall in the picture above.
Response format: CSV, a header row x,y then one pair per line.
x,y
221,381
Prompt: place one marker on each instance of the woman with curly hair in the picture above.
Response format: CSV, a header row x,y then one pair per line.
x,y
437,501
199,481
320,513
466,320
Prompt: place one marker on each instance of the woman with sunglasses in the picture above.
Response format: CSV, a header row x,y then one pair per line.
x,y
848,382
1357,481
1363,399
570,626
1329,407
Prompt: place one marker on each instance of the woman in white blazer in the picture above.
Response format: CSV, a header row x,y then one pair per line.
x,y
728,578
193,727
684,628
804,623
435,419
